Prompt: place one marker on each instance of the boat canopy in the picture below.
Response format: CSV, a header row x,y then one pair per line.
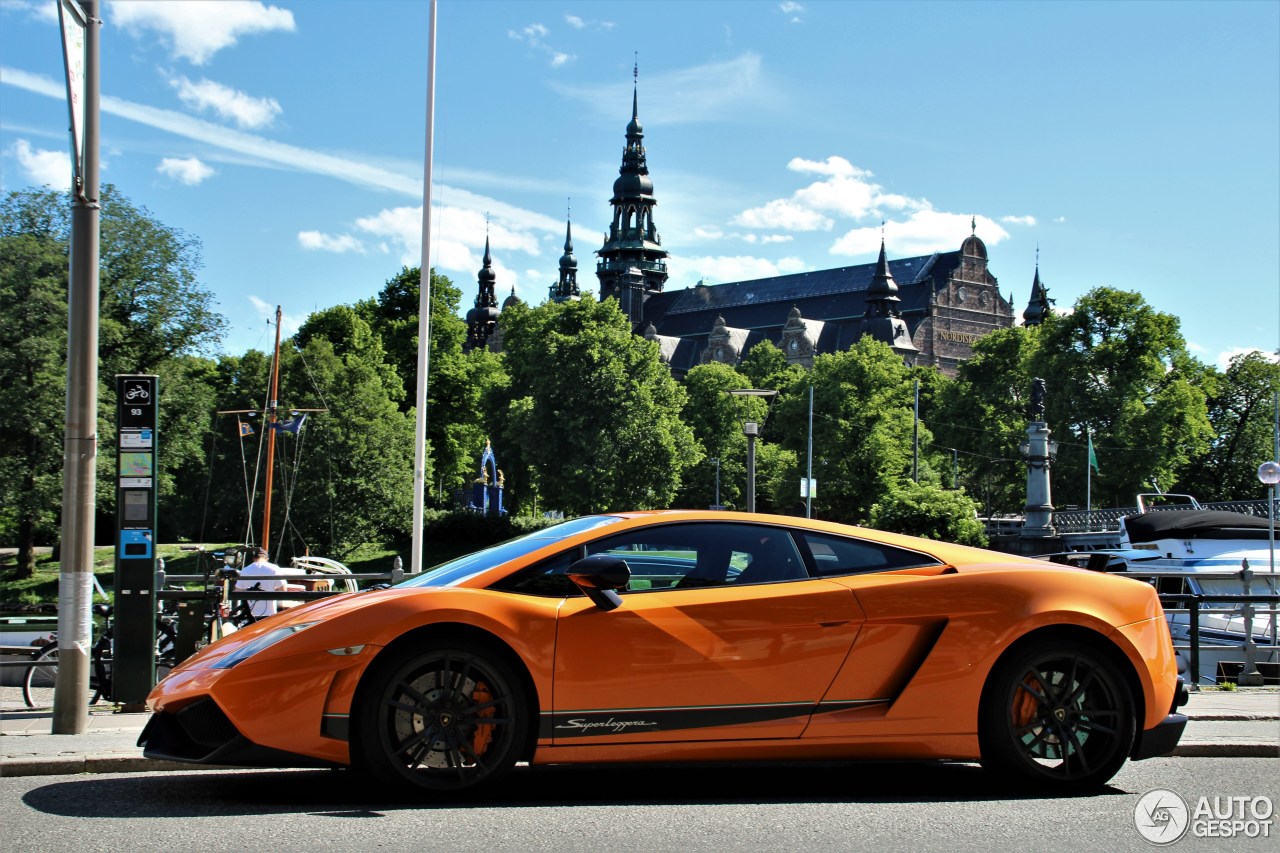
x,y
1194,524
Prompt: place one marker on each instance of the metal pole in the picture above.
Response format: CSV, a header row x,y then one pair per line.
x,y
915,437
80,441
424,312
717,461
808,492
1194,613
272,418
750,430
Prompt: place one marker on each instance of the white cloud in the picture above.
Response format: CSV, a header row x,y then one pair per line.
x,y
266,151
44,168
289,323
458,233
245,110
793,9
1018,220
189,171
717,91
925,231
783,214
1223,360
197,29
574,21
845,191
339,244
40,11
1060,219
534,34
736,268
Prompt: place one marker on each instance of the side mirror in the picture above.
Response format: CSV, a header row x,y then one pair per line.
x,y
599,576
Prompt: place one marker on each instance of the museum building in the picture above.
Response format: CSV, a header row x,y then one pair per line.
x,y
929,309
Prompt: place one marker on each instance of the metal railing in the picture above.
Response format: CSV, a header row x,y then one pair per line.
x,y
1239,605
1100,520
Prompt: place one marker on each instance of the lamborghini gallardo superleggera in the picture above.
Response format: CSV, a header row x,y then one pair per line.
x,y
693,636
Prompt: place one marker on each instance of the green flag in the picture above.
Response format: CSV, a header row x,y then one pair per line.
x,y
1093,457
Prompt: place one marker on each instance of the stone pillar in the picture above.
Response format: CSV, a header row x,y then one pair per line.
x,y
1038,451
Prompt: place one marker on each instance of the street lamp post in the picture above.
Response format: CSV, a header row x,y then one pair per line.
x,y
718,505
1269,474
751,430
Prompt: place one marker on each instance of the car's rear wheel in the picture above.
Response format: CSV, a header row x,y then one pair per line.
x,y
441,717
1057,715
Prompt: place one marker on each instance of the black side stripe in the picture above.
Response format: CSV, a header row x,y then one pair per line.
x,y
625,721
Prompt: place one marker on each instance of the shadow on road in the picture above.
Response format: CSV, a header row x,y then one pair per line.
x,y
343,794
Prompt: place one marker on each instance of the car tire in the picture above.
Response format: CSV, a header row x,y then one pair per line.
x,y
1056,715
444,717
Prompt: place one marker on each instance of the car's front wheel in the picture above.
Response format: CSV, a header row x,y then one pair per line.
x,y
441,717
1057,714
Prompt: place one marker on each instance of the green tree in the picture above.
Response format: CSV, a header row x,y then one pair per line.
x,y
1241,409
922,509
349,471
460,383
862,429
765,366
1118,368
152,311
597,419
33,331
716,420
983,415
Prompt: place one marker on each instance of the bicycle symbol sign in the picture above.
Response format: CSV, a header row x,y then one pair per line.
x,y
137,393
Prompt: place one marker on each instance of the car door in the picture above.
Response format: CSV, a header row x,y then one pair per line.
x,y
909,598
723,636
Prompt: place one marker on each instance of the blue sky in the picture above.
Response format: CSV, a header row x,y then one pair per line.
x,y
1137,145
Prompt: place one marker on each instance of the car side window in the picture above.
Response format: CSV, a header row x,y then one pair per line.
x,y
682,556
840,555
547,578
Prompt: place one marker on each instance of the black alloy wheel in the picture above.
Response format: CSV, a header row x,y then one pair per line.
x,y
1057,715
443,718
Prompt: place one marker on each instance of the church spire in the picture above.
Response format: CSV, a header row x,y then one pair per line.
x,y
883,291
567,286
484,316
882,320
632,263
1038,306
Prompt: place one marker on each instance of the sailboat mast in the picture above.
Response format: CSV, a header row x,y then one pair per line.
x,y
272,405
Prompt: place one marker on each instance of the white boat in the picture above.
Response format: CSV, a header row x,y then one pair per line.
x,y
1185,549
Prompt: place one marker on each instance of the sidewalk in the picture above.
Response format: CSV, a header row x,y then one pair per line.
x,y
1243,723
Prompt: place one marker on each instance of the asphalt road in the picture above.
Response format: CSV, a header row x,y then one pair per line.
x,y
880,807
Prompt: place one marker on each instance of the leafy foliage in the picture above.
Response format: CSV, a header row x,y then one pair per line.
x,y
921,509
152,311
1241,409
598,413
862,432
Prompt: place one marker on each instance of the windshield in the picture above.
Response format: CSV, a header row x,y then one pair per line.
x,y
456,571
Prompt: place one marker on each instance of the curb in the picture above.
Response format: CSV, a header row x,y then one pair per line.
x,y
70,765
1226,750
75,764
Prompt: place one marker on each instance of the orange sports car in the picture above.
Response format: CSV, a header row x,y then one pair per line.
x,y
693,636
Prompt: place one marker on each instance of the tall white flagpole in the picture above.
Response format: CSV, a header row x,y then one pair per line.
x,y
424,311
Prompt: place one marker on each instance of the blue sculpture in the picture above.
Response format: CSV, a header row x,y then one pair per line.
x,y
486,491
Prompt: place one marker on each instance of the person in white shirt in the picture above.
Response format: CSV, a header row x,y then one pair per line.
x,y
265,576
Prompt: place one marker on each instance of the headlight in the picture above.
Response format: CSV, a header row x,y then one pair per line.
x,y
267,640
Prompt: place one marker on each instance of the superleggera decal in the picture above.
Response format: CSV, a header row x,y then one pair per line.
x,y
575,724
